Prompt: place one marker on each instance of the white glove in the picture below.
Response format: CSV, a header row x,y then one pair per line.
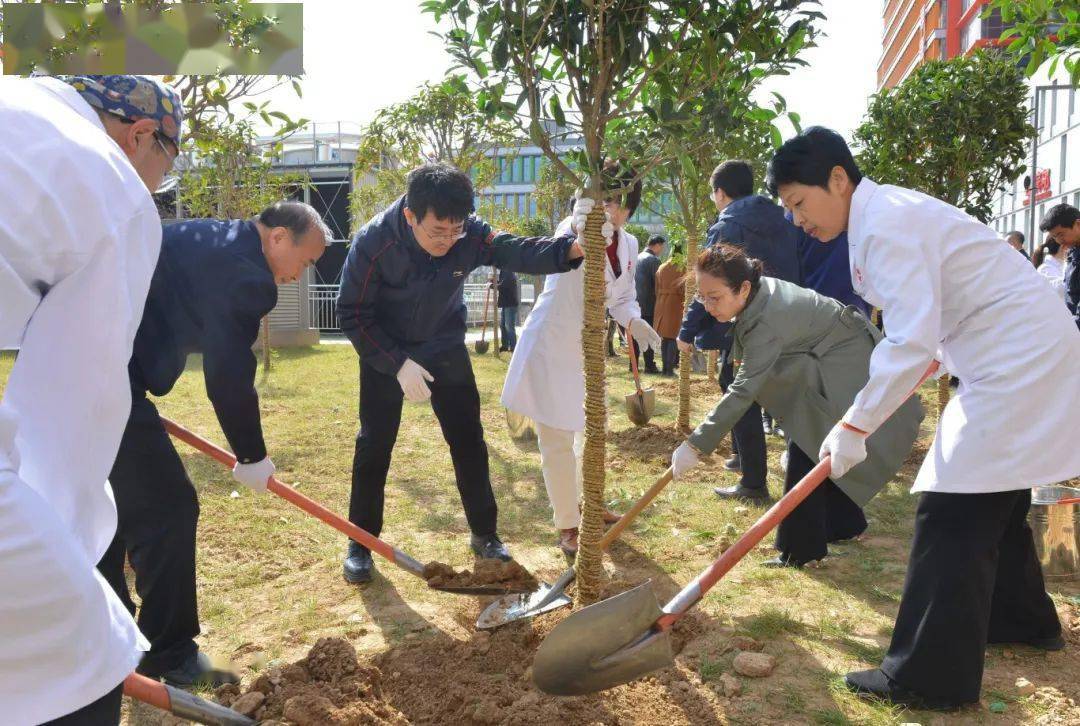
x,y
847,448
683,460
582,207
411,377
607,230
254,476
644,335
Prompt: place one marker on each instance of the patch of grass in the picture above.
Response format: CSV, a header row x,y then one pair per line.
x,y
711,669
770,623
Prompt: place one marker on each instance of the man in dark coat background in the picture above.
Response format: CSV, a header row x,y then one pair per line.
x,y
509,300
648,262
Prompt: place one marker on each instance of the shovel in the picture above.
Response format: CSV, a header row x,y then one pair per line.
x,y
350,530
481,346
624,637
551,597
640,405
181,703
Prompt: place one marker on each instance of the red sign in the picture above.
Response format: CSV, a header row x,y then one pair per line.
x,y
1042,187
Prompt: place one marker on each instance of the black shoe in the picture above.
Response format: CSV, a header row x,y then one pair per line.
x,y
198,672
755,496
652,370
489,547
875,684
734,463
1054,643
778,561
358,567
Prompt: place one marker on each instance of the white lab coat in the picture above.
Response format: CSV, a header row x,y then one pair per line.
x,y
79,238
949,289
546,379
1054,272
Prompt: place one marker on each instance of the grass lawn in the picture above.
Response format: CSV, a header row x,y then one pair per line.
x,y
270,582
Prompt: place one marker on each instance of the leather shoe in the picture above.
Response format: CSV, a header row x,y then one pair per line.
x,y
875,684
197,671
568,541
358,567
489,547
733,464
754,496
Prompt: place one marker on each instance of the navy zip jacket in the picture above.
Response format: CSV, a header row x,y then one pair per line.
x,y
397,301
210,290
758,226
1072,283
827,270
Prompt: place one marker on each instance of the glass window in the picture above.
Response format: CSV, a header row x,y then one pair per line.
x,y
532,206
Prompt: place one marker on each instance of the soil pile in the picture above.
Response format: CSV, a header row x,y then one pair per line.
x,y
327,688
653,443
509,576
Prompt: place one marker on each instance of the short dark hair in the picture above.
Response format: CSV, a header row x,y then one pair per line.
x,y
444,189
1060,215
809,158
1016,233
297,217
735,177
616,177
656,240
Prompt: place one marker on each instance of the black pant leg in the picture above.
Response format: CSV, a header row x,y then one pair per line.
x,y
111,568
1020,610
157,516
103,712
456,403
938,643
844,518
801,536
380,416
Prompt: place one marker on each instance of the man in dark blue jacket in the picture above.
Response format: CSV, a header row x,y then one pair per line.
x,y
826,269
758,226
648,262
1062,223
402,306
213,284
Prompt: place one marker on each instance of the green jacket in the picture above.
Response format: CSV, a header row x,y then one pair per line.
x,y
804,357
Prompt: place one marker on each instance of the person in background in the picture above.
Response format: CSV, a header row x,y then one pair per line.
x,y
1062,223
1049,261
648,262
1015,240
670,303
509,300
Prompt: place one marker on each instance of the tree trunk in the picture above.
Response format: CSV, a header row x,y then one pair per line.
x,y
590,557
683,420
266,344
710,369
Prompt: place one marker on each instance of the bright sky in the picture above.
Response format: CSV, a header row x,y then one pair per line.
x,y
361,55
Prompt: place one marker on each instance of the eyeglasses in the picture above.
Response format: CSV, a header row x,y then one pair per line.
x,y
704,300
452,236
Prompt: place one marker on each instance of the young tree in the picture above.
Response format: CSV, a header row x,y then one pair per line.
x,y
1042,29
586,64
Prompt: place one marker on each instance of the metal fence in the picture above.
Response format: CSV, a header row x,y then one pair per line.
x,y
323,302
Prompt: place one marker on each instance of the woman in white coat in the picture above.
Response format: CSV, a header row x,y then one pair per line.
x,y
1050,263
79,238
949,290
546,379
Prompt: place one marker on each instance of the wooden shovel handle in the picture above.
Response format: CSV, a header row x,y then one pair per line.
x,y
633,365
631,514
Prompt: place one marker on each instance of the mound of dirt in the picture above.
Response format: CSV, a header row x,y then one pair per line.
x,y
507,575
327,688
654,442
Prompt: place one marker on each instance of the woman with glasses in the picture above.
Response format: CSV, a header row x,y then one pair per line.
x,y
803,357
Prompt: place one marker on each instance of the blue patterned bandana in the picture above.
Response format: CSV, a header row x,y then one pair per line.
x,y
134,98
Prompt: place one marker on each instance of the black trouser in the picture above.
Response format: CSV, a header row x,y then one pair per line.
x,y
669,355
650,360
157,513
456,403
827,515
103,712
973,578
748,436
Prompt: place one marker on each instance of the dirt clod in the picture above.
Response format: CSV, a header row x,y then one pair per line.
x,y
754,665
487,573
1024,687
732,686
248,703
745,642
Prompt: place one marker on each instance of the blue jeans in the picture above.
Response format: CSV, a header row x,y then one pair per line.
x,y
508,327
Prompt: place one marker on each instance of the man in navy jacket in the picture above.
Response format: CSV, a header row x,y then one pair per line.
x,y
402,306
757,225
213,284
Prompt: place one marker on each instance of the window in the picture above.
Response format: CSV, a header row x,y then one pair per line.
x,y
532,206
517,169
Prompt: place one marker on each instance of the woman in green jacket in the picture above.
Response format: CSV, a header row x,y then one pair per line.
x,y
803,357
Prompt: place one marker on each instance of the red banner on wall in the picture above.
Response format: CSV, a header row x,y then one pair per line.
x,y
1042,187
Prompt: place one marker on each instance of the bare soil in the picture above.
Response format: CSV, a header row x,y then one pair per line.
x,y
508,575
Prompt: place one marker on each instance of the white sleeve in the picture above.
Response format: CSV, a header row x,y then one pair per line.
x,y
625,308
907,276
69,386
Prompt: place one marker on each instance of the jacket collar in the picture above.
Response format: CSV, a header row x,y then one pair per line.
x,y
857,214
756,306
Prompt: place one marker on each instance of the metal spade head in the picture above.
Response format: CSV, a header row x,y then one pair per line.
x,y
481,347
519,607
603,645
522,430
640,406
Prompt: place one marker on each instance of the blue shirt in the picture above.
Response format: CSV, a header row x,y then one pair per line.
x,y
826,269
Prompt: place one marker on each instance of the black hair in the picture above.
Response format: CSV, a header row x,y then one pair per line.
x,y
297,217
809,158
1060,215
1050,247
617,177
1016,233
445,190
730,264
735,177
656,240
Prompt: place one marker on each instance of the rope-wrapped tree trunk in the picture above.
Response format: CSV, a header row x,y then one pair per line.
x,y
593,341
685,361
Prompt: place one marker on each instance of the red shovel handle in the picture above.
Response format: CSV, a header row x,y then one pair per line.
x,y
1072,500
284,491
148,691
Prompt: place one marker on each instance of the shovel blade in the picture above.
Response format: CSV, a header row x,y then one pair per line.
x,y
481,346
585,652
519,607
640,408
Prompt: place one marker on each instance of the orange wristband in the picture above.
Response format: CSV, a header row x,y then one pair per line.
x,y
849,427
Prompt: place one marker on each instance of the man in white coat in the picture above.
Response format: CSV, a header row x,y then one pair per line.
x,y
79,237
546,378
949,290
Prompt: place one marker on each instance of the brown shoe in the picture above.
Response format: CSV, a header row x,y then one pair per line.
x,y
610,517
568,541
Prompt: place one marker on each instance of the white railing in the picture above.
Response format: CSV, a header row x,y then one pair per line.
x,y
323,302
